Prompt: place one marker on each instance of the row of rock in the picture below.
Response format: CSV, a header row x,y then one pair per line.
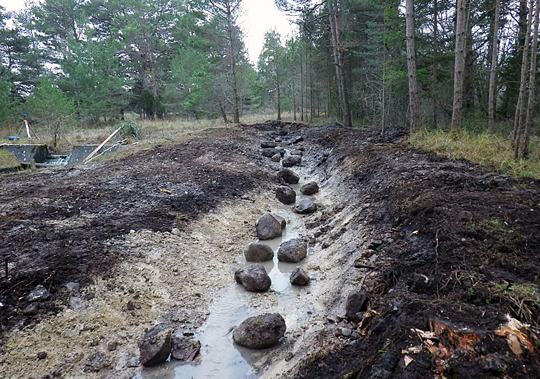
x,y
265,330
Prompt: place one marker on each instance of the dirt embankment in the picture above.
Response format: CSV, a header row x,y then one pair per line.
x,y
444,251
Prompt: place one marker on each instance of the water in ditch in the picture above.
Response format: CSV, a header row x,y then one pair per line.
x,y
220,357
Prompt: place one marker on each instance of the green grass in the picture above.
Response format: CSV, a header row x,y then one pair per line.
x,y
494,151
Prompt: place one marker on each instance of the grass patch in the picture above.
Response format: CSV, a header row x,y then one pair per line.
x,y
491,150
8,161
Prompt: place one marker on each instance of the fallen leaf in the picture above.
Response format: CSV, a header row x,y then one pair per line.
x,y
407,360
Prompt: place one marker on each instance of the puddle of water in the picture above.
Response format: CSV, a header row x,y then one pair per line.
x,y
220,357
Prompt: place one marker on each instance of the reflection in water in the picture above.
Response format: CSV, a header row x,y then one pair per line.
x,y
220,357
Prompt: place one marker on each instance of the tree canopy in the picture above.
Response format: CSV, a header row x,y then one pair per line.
x,y
347,61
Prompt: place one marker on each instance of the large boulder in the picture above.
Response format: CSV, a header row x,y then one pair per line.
x,y
260,332
310,188
292,251
270,152
305,207
253,277
268,227
286,195
268,144
288,176
258,252
291,160
299,277
155,345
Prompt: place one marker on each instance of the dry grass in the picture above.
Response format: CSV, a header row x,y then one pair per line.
x,y
487,149
8,161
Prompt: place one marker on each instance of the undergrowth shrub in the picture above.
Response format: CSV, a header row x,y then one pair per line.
x,y
129,129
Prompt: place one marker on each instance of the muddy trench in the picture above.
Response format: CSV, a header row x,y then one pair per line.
x,y
156,238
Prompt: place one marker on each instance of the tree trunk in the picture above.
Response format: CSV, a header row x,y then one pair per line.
x,y
493,68
520,115
411,67
459,65
434,63
338,62
523,152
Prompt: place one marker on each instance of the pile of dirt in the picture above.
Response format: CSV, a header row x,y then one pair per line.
x,y
443,250
457,262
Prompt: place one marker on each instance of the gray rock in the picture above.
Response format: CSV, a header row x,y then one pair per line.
x,y
299,277
355,305
258,252
296,139
292,251
253,277
133,362
185,348
260,332
73,287
276,158
297,152
76,303
268,227
305,207
111,346
345,332
291,160
310,188
286,195
374,243
39,293
42,355
96,362
268,144
31,309
155,345
270,152
288,176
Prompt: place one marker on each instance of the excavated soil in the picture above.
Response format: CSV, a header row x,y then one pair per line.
x,y
444,251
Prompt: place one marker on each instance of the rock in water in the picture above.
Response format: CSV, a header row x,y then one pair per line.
x,y
253,277
259,332
270,152
155,345
286,195
291,160
299,277
288,176
268,144
310,188
185,348
305,207
268,227
292,251
258,252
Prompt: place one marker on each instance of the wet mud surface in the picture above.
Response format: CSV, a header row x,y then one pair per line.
x,y
445,252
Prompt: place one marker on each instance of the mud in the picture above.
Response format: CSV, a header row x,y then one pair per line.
x,y
439,246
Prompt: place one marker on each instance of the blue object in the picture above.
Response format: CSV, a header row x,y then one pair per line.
x,y
13,137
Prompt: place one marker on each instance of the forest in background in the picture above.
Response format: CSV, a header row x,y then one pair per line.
x,y
390,63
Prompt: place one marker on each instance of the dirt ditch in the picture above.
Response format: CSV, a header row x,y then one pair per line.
x,y
444,251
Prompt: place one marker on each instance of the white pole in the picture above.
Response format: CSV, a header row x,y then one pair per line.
x,y
27,129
